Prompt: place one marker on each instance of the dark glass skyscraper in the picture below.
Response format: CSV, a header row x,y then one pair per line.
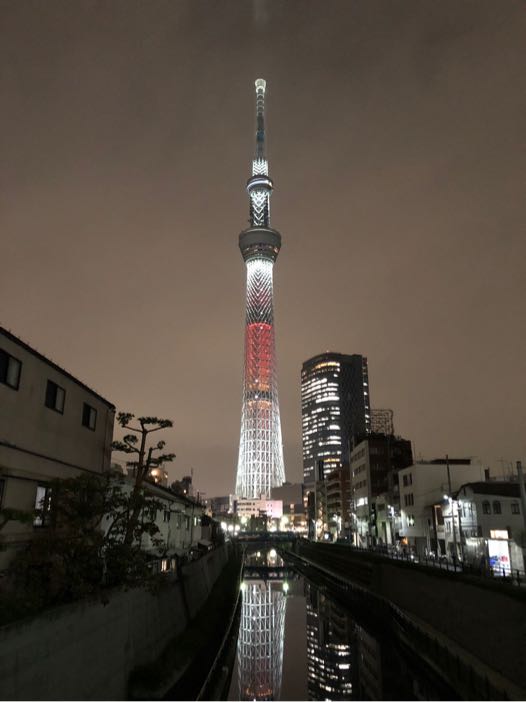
x,y
335,406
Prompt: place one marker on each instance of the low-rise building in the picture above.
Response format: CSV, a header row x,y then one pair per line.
x,y
490,527
338,502
272,509
223,505
422,487
291,495
52,426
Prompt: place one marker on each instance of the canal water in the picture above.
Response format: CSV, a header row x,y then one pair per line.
x,y
296,642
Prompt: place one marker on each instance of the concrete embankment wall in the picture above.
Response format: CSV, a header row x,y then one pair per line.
x,y
485,620
86,650
490,625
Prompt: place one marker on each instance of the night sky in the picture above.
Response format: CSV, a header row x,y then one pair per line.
x,y
396,144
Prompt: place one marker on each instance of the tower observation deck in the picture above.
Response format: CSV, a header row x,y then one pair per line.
x,y
260,465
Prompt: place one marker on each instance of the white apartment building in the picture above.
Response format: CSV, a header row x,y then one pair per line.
x,y
422,488
178,519
489,525
253,507
51,426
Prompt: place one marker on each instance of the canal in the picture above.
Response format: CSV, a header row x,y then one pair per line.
x,y
297,642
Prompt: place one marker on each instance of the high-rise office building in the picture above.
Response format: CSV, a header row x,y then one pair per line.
x,y
335,407
260,464
329,654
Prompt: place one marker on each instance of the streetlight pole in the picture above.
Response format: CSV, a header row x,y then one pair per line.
x,y
455,550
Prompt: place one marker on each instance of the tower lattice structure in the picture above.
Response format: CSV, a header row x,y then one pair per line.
x,y
260,641
260,464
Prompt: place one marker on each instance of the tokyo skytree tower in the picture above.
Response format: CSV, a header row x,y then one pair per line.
x,y
260,466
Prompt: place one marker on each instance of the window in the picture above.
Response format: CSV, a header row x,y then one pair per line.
x,y
186,522
496,507
43,505
409,500
166,516
404,479
55,396
515,509
486,508
89,416
9,370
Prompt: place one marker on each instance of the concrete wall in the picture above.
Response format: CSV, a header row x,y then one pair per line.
x,y
87,650
486,621
491,625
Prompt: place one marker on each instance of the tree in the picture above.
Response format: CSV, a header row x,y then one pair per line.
x,y
82,550
144,461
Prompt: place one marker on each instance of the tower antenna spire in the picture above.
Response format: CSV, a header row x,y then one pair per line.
x,y
259,186
261,86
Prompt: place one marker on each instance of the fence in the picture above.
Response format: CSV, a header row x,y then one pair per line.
x,y
514,576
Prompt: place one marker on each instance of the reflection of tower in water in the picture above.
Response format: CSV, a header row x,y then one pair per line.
x,y
329,669
260,642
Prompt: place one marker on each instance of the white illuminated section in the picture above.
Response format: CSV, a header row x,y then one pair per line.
x,y
260,641
260,464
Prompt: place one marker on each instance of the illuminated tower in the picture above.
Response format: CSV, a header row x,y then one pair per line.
x,y
260,640
260,464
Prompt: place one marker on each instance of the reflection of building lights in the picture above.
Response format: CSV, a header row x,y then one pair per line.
x,y
286,587
223,526
273,553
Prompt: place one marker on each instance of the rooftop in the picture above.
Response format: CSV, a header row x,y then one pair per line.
x,y
505,488
15,339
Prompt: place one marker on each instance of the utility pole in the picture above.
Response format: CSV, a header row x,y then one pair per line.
x,y
451,507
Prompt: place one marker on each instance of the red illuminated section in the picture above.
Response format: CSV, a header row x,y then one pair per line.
x,y
259,351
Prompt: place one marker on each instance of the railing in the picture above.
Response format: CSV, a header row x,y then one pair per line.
x,y
514,576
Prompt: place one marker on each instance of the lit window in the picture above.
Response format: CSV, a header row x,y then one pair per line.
x,y
43,506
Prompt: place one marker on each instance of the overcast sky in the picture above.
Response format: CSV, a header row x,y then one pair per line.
x,y
396,144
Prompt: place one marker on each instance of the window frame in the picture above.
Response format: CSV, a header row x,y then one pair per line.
x,y
51,385
497,507
87,412
8,359
515,507
41,522
486,507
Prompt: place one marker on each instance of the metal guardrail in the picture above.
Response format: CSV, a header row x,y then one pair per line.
x,y
514,576
433,646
